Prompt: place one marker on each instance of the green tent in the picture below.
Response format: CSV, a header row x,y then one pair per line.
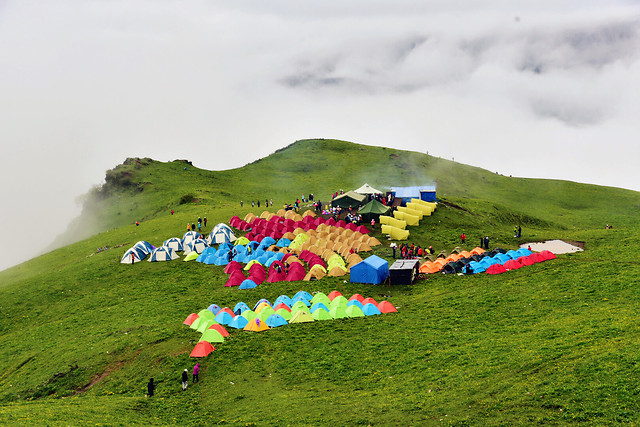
x,y
321,314
264,313
241,241
211,335
284,313
191,256
249,314
206,314
338,312
321,297
299,305
339,301
354,311
349,199
373,210
301,316
204,325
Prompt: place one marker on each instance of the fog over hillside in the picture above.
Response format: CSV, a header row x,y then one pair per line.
x,y
536,89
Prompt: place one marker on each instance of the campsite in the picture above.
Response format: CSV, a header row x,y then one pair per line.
x,y
546,341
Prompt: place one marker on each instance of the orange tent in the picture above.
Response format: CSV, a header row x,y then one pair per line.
x,y
386,307
256,325
202,349
220,329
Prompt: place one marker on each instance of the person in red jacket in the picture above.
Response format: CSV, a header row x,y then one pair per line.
x,y
463,237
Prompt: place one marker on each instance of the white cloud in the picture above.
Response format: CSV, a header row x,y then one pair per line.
x,y
531,89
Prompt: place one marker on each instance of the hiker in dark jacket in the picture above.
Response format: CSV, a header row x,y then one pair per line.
x,y
185,379
150,387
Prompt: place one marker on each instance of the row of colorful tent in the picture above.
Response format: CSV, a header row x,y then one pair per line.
x,y
191,242
479,261
302,308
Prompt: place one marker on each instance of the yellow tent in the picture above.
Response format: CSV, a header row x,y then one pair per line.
x,y
395,233
389,220
409,219
416,212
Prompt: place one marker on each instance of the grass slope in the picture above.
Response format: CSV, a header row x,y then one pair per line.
x,y
552,343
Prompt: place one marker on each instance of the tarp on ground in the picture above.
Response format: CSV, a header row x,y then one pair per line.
x,y
349,199
374,270
367,189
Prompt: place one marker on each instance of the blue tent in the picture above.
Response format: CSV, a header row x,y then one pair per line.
x,y
372,270
318,305
424,192
355,302
283,299
238,322
370,309
223,318
474,267
524,252
304,294
275,320
302,298
240,308
283,243
214,308
247,284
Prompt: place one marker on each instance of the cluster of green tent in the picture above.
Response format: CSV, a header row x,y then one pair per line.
x,y
411,214
302,308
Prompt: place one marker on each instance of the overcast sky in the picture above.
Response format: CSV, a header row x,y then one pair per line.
x,y
536,89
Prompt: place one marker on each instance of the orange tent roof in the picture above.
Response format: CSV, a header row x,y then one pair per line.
x,y
386,307
256,325
202,349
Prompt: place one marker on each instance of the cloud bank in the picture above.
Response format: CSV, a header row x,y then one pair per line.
x,y
539,90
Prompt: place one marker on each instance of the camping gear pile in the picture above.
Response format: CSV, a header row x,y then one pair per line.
x,y
479,261
302,308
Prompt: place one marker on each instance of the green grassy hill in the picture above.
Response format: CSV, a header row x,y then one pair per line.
x,y
556,342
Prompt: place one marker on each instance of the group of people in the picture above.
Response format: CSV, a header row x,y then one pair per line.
x,y
192,226
410,251
151,385
267,203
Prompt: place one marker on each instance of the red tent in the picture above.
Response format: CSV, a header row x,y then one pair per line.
x,y
526,260
333,294
536,257
547,255
330,221
369,301
341,223
512,264
190,319
386,307
351,226
202,349
496,269
232,266
357,297
362,229
227,310
220,329
282,305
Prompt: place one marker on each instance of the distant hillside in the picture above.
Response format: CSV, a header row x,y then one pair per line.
x,y
139,190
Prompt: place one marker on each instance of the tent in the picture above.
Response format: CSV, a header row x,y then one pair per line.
x,y
174,243
275,320
197,246
496,269
190,319
238,322
354,311
301,316
370,309
221,233
373,210
394,232
256,325
138,255
163,253
374,270
190,236
220,329
211,335
386,307
348,199
367,189
202,349
247,284
321,314
145,246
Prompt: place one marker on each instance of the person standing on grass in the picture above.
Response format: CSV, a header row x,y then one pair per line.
x,y
463,237
185,380
205,221
196,371
133,257
150,387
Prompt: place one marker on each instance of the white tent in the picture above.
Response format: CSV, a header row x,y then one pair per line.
x,y
367,189
197,246
144,246
221,233
163,253
174,243
138,255
190,236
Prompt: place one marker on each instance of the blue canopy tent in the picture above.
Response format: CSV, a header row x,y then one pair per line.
x,y
374,270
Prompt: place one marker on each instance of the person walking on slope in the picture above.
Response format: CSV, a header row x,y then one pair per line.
x,y
463,237
150,387
185,380
196,371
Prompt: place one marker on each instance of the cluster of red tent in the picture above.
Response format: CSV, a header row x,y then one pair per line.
x,y
515,264
276,226
279,271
